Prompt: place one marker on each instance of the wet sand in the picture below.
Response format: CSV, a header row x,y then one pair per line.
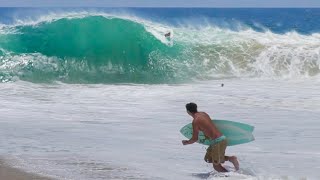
x,y
10,173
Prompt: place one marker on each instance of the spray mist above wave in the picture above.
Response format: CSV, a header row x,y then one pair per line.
x,y
98,48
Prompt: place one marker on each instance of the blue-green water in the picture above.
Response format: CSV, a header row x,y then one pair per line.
x,y
106,46
100,93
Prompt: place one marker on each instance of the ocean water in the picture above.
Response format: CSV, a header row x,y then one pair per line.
x,y
100,93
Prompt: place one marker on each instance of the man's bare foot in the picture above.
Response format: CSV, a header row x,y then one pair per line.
x,y
235,162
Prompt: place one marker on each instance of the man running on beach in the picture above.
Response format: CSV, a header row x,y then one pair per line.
x,y
216,151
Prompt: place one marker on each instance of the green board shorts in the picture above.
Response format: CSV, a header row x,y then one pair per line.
x,y
216,151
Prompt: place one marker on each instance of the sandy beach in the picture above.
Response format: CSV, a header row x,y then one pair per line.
x,y
10,173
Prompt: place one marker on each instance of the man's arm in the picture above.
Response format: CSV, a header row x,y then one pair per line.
x,y
195,133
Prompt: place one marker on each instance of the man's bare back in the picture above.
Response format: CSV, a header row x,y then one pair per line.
x,y
203,122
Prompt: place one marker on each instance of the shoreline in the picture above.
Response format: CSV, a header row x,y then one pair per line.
x,y
10,173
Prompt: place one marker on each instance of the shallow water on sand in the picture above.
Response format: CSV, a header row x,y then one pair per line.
x,y
132,131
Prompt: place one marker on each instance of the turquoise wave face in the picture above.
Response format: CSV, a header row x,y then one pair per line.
x,y
92,49
95,38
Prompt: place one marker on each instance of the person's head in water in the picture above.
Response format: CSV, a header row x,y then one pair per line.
x,y
191,108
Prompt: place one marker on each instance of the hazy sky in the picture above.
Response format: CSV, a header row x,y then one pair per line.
x,y
160,3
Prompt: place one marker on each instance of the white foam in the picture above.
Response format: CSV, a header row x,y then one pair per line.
x,y
251,53
230,176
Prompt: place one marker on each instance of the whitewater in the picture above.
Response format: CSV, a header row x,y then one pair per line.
x,y
101,94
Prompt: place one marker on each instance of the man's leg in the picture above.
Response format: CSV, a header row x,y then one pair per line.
x,y
219,168
208,156
234,161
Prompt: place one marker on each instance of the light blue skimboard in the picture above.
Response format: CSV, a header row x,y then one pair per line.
x,y
236,133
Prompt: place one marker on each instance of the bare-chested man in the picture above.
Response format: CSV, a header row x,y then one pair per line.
x,y
216,151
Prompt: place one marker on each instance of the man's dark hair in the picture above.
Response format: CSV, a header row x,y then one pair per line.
x,y
192,107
